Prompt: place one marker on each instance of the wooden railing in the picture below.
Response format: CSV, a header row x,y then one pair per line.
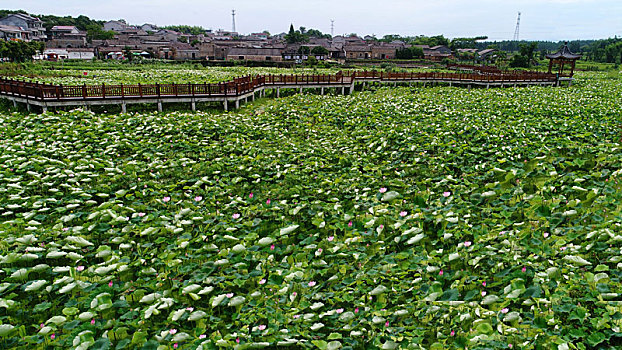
x,y
246,84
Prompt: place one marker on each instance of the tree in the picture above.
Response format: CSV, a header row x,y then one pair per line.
x,y
319,50
295,36
409,53
20,51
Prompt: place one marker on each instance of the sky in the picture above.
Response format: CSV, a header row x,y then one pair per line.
x,y
553,20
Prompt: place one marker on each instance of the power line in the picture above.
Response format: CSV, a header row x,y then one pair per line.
x,y
517,31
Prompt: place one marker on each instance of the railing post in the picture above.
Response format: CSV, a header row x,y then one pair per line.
x,y
122,92
103,90
140,90
158,89
84,91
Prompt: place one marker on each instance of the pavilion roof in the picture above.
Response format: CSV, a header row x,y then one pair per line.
x,y
564,52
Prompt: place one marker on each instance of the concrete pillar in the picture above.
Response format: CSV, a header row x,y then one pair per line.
x,y
343,90
487,85
225,105
469,86
45,109
193,105
322,90
14,104
514,84
246,99
159,106
237,104
502,85
253,98
28,106
450,83
301,90
278,92
123,108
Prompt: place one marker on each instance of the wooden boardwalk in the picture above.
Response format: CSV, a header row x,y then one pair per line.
x,y
243,88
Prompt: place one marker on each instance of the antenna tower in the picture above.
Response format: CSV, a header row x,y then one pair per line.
x,y
516,32
332,27
233,17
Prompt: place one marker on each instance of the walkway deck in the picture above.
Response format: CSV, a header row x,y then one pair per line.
x,y
243,88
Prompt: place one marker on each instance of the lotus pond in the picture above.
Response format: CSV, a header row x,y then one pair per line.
x,y
416,218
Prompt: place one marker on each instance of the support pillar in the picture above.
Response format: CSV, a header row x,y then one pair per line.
x,y
14,104
45,109
225,105
343,90
450,83
321,91
253,98
237,104
123,108
469,86
246,100
487,85
278,92
159,106
28,106
193,105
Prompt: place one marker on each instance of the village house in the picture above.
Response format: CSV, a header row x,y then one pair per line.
x,y
11,32
55,54
32,27
149,27
66,37
437,53
487,55
358,52
265,54
116,26
385,51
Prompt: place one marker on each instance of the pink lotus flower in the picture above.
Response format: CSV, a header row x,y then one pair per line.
x,y
262,281
383,190
268,201
173,331
446,194
339,310
467,243
237,340
175,346
250,195
350,224
356,310
52,336
505,310
141,214
65,228
386,324
261,327
272,247
403,213
110,284
93,321
440,273
319,250
484,293
42,325
524,269
296,316
166,199
236,216
312,283
331,238
80,268
452,333
484,283
190,309
510,346
545,234
229,295
198,198
202,336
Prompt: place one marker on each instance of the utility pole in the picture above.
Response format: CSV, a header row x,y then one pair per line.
x,y
332,27
516,32
233,17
